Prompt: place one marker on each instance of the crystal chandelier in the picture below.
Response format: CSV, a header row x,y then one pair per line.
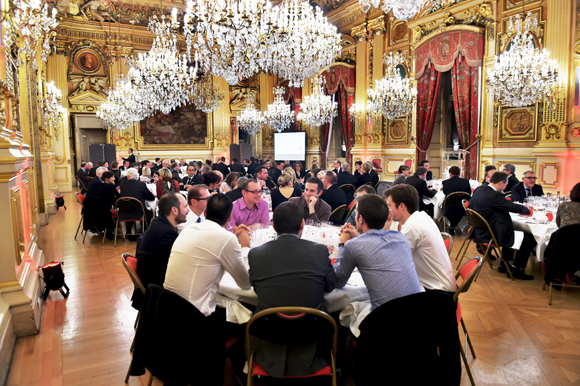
x,y
33,23
357,113
523,75
52,105
251,120
317,108
236,39
206,95
402,9
391,97
279,115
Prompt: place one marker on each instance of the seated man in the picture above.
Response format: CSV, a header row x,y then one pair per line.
x,y
344,177
312,206
365,189
135,188
418,182
487,175
491,204
383,257
93,188
203,252
527,188
189,180
262,177
154,246
427,247
82,175
404,172
453,208
236,193
197,197
510,170
107,191
250,209
332,194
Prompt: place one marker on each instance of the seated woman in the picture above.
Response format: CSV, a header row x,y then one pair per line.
x,y
285,191
166,183
299,171
145,174
569,212
230,183
213,182
292,174
364,177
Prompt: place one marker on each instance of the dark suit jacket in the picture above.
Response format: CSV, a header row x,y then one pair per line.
x,y
252,168
238,168
512,181
421,186
495,208
117,174
188,181
175,175
334,196
108,193
374,177
289,271
429,176
321,209
130,158
344,178
519,193
222,167
136,189
235,194
93,188
560,258
362,179
275,175
93,172
82,175
153,254
453,207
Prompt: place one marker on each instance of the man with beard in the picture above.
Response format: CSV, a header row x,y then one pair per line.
x,y
154,246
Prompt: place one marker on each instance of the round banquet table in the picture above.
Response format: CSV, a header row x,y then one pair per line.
x,y
541,232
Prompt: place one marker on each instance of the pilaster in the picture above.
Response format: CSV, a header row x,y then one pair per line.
x,y
222,132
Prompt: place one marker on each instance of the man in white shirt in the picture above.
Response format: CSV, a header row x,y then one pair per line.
x,y
429,252
203,252
197,197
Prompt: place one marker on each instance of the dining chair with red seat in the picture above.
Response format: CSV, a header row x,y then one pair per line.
x,y
348,189
448,240
337,215
454,199
467,273
125,209
80,199
288,326
130,263
467,239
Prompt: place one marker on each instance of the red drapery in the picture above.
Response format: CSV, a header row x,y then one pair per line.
x,y
344,103
465,85
427,91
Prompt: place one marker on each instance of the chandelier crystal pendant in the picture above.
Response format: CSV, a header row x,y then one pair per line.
x,y
206,95
279,115
392,96
251,120
523,75
35,25
317,108
52,105
402,9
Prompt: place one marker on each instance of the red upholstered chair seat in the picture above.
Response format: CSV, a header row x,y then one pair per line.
x,y
258,370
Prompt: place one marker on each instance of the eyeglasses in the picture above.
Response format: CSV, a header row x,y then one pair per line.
x,y
201,198
531,178
254,191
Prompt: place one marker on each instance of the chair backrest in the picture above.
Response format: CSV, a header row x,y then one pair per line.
x,y
80,183
127,204
409,163
351,207
369,184
291,326
448,240
468,273
348,189
337,215
477,221
465,203
508,197
80,198
455,198
130,263
507,193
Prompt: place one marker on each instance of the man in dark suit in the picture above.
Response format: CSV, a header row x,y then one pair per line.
x,y
126,166
154,246
189,180
252,166
93,171
175,172
263,178
332,195
222,167
453,208
487,174
236,193
418,182
130,157
510,170
82,175
344,177
527,188
289,271
337,167
93,188
235,166
374,175
425,164
491,204
276,173
135,188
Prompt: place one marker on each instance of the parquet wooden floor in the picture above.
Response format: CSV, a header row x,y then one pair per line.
x,y
84,340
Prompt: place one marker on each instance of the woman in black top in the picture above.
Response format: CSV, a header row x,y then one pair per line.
x,y
285,190
299,170
364,177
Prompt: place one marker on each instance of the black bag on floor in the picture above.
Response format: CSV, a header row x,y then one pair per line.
x,y
59,200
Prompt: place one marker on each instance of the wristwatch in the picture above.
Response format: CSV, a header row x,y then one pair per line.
x,y
341,245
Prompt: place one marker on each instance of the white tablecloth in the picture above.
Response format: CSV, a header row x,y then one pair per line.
x,y
541,232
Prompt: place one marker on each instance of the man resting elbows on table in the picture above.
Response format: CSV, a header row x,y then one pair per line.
x,y
250,209
383,257
312,206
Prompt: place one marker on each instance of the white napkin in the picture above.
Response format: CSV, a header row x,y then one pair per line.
x,y
353,315
235,312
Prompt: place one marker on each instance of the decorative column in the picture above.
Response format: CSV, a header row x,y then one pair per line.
x,y
265,139
362,82
222,132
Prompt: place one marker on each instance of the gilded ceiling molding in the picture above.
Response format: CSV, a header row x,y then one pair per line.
x,y
378,26
359,33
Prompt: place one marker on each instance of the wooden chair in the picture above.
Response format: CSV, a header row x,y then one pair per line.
x,y
130,263
337,215
455,198
468,273
348,189
80,199
448,240
351,207
287,325
81,185
127,204
467,240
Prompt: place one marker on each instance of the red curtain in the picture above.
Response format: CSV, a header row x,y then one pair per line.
x,y
465,82
427,93
345,101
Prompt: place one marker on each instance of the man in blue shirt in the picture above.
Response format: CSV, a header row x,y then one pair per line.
x,y
383,257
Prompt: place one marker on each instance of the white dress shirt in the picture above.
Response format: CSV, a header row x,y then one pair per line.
x,y
429,252
191,219
199,256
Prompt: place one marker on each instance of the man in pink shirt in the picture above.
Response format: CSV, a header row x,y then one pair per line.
x,y
250,209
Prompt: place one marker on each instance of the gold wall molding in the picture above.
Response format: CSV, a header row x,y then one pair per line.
x,y
544,180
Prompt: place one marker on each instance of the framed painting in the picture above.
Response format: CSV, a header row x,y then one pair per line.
x,y
185,128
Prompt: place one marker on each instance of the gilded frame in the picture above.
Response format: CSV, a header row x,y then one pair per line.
x,y
206,146
542,167
394,23
503,114
17,224
388,128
